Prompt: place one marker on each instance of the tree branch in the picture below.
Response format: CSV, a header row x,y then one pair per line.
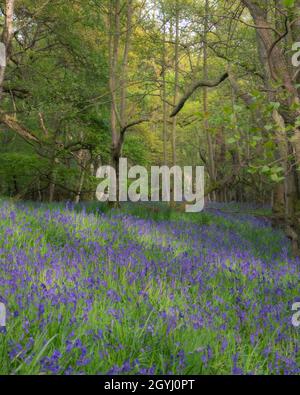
x,y
193,88
135,123
18,128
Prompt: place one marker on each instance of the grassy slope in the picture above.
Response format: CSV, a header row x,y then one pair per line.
x,y
143,291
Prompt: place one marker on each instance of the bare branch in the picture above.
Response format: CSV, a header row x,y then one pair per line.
x,y
18,128
193,88
135,123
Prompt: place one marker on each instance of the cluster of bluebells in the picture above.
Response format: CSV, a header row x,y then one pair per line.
x,y
94,293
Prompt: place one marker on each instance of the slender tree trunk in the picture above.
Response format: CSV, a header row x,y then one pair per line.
x,y
211,163
52,176
114,42
220,158
176,71
164,93
80,186
124,71
119,118
281,197
83,158
39,193
6,40
52,180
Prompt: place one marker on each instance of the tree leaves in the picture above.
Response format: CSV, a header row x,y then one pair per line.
x,y
289,3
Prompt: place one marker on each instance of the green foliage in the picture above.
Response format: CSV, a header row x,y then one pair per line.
x,y
57,87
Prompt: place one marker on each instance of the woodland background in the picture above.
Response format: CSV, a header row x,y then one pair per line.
x,y
87,82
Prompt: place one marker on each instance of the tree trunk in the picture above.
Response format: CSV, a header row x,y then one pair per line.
x,y
164,93
6,39
211,160
176,70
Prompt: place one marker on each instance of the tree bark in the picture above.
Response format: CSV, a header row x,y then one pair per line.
x,y
6,39
176,72
164,92
211,159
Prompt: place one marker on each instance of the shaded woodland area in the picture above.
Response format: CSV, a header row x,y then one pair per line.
x,y
197,82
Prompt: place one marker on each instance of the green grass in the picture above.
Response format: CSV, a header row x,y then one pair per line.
x,y
174,317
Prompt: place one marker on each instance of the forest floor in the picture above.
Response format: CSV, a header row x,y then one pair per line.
x,y
146,290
